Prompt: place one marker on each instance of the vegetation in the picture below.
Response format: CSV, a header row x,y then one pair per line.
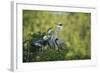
x,y
76,34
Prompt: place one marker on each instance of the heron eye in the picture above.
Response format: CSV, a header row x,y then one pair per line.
x,y
60,24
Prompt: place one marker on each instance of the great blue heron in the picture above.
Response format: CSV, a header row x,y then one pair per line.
x,y
54,41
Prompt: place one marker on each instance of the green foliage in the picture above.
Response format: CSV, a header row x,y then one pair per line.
x,y
76,34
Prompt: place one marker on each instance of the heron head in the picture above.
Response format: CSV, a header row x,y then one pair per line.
x,y
59,26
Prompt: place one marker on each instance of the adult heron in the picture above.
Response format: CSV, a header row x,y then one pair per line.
x,y
53,41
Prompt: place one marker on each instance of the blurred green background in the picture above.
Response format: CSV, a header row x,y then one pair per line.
x,y
76,34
